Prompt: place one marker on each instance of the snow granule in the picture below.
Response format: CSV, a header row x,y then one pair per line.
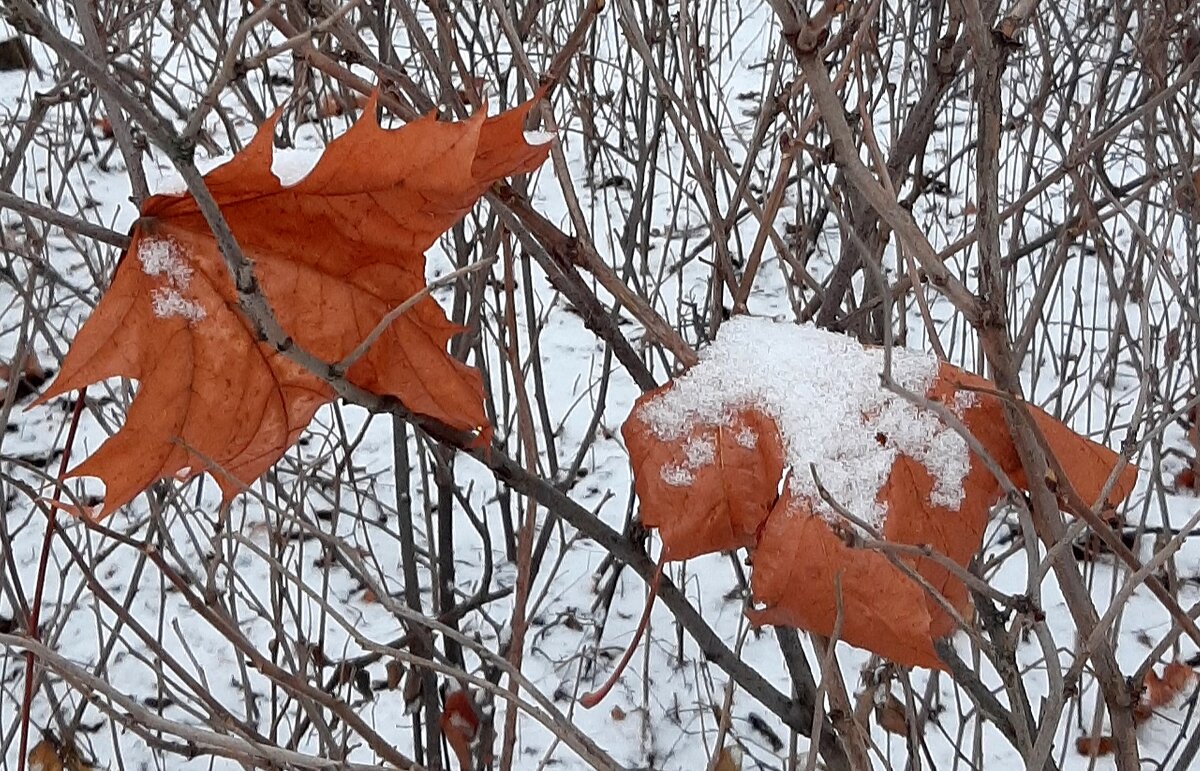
x,y
676,476
747,438
697,453
164,257
824,393
168,303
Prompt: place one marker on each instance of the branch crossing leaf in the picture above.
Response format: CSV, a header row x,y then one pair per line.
x,y
807,561
334,253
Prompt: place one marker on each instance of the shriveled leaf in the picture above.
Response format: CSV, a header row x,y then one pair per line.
x,y
395,674
459,724
892,716
44,757
1177,680
1094,747
334,253
414,688
51,754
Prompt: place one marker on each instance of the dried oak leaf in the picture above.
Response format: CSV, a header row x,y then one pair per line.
x,y
334,253
892,716
803,569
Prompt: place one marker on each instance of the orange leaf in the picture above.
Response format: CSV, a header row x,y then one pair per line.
x,y
800,562
1094,747
1177,678
459,725
44,757
334,253
885,611
50,754
712,489
801,565
1087,464
104,126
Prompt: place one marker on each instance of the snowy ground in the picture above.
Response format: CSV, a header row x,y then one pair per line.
x,y
342,478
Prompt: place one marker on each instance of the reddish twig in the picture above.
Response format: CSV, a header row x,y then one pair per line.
x,y
592,698
35,610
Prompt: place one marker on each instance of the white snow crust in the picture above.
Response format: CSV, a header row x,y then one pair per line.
x,y
824,392
168,302
698,453
164,257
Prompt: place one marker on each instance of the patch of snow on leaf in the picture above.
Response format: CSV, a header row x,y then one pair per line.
x,y
676,476
163,257
747,438
168,303
935,446
697,453
824,393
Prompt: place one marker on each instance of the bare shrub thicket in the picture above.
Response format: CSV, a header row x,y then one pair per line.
x,y
1012,187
